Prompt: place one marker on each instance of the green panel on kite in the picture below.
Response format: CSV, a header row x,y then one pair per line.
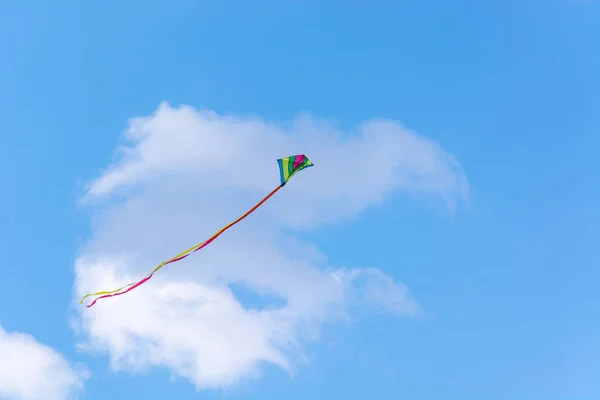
x,y
288,166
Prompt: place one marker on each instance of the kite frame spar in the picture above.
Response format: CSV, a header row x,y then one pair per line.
x,y
288,167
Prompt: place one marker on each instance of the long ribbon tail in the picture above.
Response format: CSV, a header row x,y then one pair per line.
x,y
180,256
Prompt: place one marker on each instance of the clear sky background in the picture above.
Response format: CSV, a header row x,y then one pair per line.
x,y
499,253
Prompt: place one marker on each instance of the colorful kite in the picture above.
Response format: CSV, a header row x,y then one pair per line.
x,y
288,166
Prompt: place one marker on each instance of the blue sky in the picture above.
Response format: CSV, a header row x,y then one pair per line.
x,y
507,282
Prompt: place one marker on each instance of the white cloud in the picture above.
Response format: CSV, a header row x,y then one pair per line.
x,y
30,370
183,174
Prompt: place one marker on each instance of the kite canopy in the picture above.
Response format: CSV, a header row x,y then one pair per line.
x,y
288,166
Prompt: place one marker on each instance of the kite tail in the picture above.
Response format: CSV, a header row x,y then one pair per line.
x,y
180,256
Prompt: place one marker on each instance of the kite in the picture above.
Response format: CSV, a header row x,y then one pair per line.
x,y
288,167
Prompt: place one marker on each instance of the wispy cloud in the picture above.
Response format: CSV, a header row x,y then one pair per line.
x,y
30,370
182,174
